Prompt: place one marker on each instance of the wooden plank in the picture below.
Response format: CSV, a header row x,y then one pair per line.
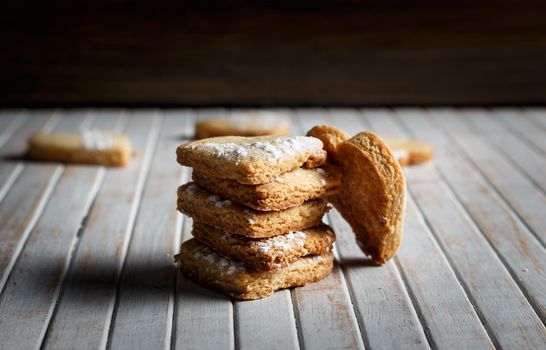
x,y
13,149
203,318
383,308
483,275
24,203
146,296
444,307
521,122
30,293
518,191
516,247
538,115
528,159
266,323
448,316
20,209
10,120
84,311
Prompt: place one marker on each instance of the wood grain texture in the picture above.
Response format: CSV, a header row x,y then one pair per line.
x,y
203,318
266,323
517,248
383,307
487,282
520,193
528,159
249,53
14,146
418,242
520,121
92,281
145,299
470,272
34,284
23,205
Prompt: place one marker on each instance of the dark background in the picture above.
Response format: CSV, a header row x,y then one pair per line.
x,y
136,53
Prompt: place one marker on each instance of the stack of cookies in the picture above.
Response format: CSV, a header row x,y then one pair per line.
x,y
257,205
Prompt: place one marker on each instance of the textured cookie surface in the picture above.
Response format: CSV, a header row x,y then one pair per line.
x,y
372,195
205,266
330,136
251,160
266,253
203,206
285,191
415,151
87,147
244,124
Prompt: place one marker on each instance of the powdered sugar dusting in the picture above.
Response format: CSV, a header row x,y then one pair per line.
x,y
273,149
212,258
284,242
96,140
400,153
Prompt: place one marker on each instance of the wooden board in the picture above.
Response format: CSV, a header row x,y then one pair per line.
x,y
86,252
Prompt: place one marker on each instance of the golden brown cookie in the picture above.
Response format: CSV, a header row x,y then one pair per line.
x,y
247,124
87,147
331,136
414,151
207,267
286,191
372,195
270,253
204,206
251,160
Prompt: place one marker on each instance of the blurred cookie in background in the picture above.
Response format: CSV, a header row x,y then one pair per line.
x,y
245,123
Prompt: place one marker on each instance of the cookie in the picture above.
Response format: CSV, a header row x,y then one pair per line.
x,y
87,147
287,190
251,160
372,195
266,253
244,124
413,151
203,206
207,267
330,136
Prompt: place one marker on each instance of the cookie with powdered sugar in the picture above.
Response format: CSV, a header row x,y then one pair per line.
x,y
270,253
204,265
288,190
204,206
86,147
251,160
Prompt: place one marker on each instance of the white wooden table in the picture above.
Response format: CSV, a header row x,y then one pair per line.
x,y
86,252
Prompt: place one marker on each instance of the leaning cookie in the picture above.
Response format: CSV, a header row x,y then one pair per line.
x,y
270,253
207,267
204,206
286,191
88,147
251,160
372,194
